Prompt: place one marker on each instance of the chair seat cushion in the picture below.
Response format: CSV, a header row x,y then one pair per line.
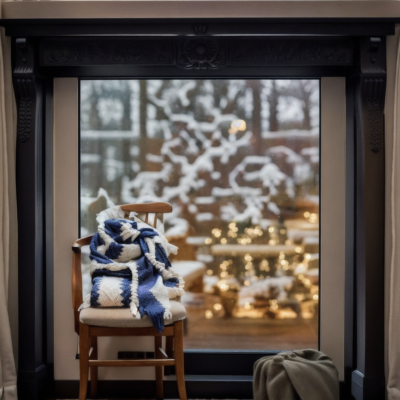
x,y
123,318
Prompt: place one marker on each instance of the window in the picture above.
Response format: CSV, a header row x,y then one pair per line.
x,y
239,161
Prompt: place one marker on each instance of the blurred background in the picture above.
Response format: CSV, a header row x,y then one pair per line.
x,y
239,162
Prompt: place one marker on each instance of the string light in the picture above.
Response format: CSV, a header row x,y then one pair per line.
x,y
216,232
217,307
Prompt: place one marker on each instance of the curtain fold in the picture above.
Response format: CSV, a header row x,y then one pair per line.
x,y
393,278
8,223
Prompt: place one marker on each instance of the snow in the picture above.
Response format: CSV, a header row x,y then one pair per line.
x,y
294,133
291,156
90,158
266,288
189,121
204,217
107,135
154,158
204,200
179,227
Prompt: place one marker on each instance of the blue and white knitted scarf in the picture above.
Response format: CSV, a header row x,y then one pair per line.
x,y
130,268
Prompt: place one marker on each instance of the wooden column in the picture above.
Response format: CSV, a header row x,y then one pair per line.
x,y
368,380
30,206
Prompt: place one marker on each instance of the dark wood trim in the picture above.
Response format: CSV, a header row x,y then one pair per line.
x,y
29,92
192,26
368,380
206,387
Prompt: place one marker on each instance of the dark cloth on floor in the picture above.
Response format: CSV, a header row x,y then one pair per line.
x,y
296,375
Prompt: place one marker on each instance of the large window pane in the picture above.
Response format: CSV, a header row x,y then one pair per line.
x,y
239,162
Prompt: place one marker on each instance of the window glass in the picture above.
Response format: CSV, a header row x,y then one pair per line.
x,y
239,162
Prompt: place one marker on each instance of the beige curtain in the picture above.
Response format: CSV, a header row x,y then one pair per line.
x,y
393,218
8,223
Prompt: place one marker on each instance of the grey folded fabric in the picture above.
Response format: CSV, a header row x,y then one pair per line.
x,y
296,375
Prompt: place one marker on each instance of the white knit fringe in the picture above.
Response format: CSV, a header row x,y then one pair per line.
x,y
167,313
86,303
134,288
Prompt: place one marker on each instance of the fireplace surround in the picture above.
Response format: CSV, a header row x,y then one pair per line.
x,y
199,48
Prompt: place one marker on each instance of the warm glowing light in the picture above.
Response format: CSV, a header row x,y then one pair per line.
x,y
223,241
217,307
301,277
248,257
299,296
208,241
216,232
281,255
315,297
224,274
298,249
313,218
236,126
232,225
307,256
272,242
271,229
248,266
224,287
208,314
264,265
247,306
246,283
306,214
209,272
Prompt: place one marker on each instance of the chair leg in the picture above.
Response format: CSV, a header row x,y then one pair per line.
x,y
83,360
93,370
179,365
169,349
159,370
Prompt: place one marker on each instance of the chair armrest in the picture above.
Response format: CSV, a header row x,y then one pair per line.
x,y
77,297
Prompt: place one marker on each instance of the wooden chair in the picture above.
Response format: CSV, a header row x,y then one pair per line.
x,y
91,323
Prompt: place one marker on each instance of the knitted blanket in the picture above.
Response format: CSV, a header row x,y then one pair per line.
x,y
298,375
130,268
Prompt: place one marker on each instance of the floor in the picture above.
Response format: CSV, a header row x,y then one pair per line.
x,y
250,331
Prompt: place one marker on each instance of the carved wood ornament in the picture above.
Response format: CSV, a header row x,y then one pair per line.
x,y
24,89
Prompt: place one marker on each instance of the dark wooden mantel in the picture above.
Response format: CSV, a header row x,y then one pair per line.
x,y
233,48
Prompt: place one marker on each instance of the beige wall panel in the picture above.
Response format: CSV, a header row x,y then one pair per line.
x,y
66,209
332,250
65,223
200,9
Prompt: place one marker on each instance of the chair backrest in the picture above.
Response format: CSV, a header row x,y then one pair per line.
x,y
156,208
